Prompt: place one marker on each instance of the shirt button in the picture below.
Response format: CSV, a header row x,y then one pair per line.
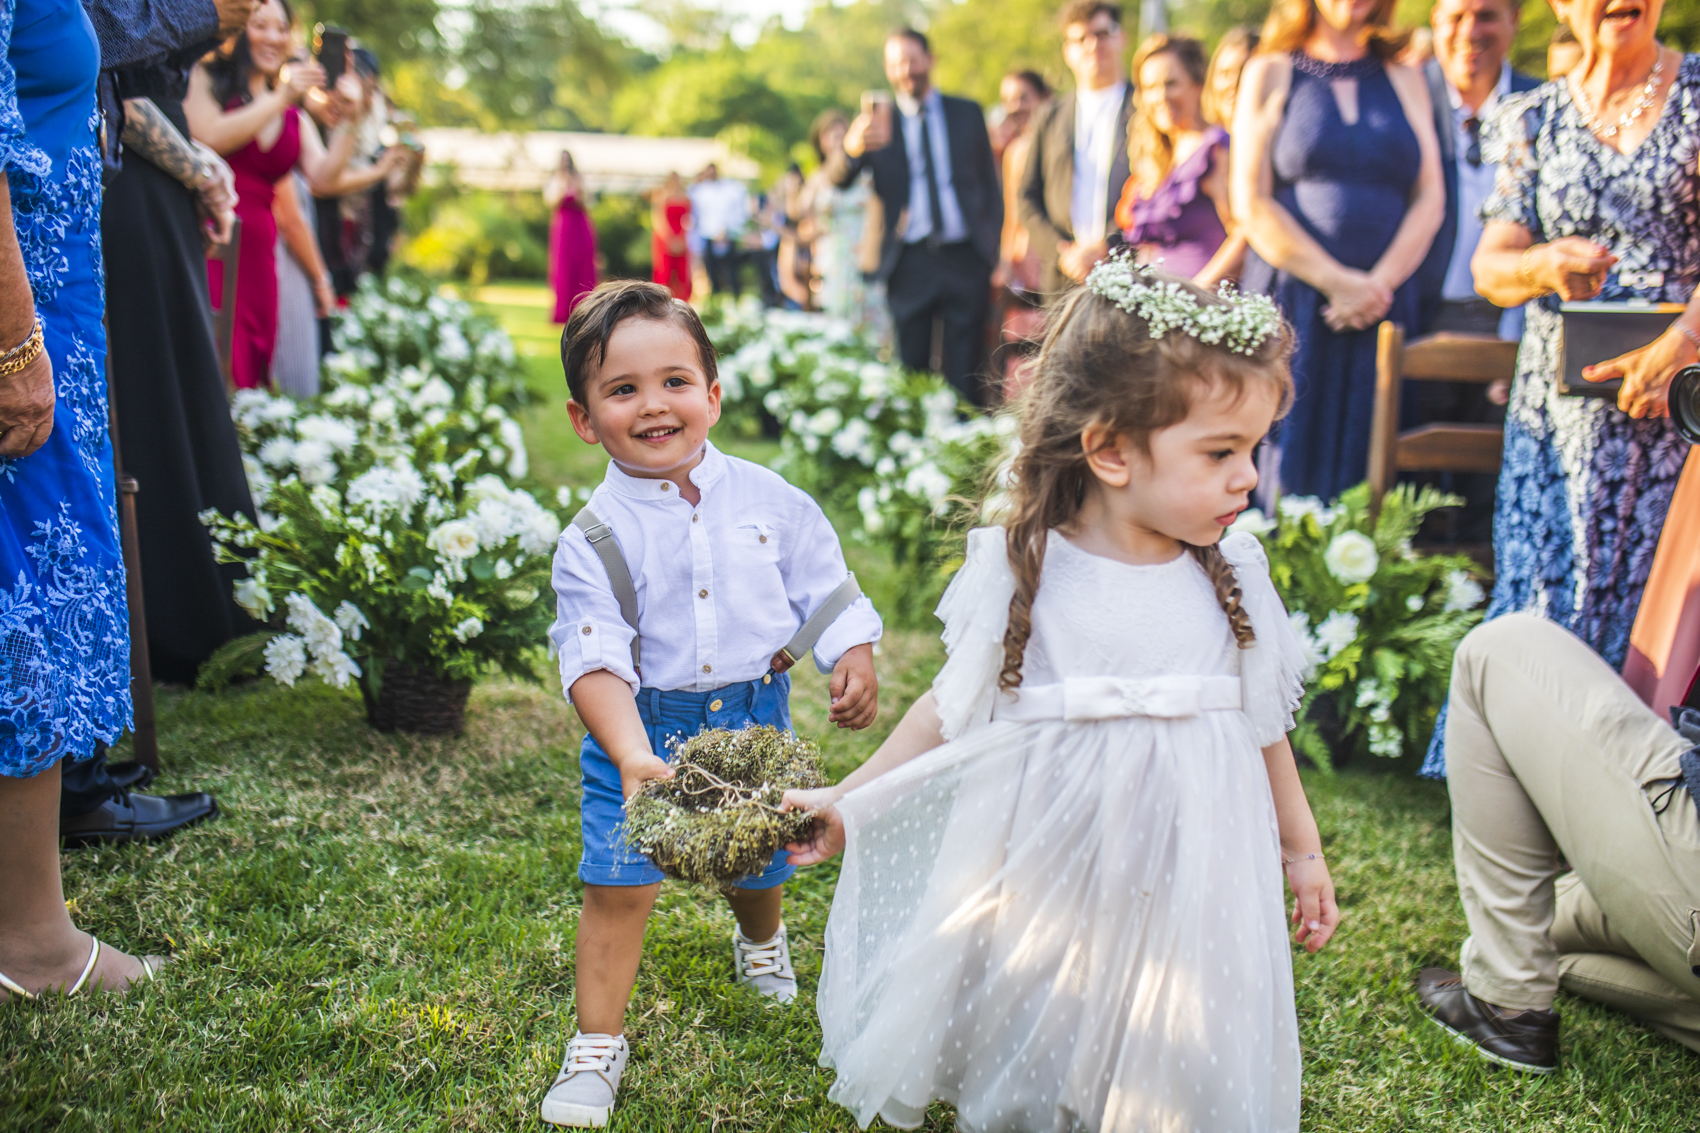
x,y
763,538
702,594
665,485
714,706
708,668
587,631
694,517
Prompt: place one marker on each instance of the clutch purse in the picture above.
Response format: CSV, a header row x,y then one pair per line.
x,y
1598,332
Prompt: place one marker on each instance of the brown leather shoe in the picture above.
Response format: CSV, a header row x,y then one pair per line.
x,y
1520,1040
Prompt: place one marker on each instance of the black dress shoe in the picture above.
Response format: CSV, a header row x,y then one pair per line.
x,y
131,817
1520,1040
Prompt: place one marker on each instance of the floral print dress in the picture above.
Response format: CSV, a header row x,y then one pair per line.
x,y
1584,487
64,633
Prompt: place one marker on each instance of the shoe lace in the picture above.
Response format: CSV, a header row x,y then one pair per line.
x,y
586,1053
763,959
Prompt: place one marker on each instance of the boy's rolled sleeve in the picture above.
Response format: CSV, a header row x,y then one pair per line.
x,y
812,571
589,633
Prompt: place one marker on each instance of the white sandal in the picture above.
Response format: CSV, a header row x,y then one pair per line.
x,y
94,958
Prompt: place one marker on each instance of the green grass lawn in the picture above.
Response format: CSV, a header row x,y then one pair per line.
x,y
377,935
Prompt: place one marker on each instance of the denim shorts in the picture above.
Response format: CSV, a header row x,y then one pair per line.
x,y
671,718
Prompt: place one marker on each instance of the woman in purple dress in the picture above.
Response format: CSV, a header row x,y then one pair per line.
x,y
1175,205
572,239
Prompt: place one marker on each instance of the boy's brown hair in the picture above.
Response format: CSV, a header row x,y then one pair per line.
x,y
584,342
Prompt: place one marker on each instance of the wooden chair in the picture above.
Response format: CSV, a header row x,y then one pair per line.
x,y
224,319
1438,447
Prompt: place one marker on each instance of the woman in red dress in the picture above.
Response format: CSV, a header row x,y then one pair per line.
x,y
667,247
572,239
244,103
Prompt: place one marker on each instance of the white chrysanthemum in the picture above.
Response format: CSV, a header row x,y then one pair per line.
x,y
254,598
322,635
350,620
1312,652
930,482
333,431
278,452
1351,557
336,668
439,589
286,658
468,629
452,345
434,394
456,539
1462,592
1297,507
383,489
1337,631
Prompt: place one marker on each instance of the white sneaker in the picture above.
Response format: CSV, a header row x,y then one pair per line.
x,y
765,966
584,1091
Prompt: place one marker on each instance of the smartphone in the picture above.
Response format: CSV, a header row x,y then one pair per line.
x,y
330,44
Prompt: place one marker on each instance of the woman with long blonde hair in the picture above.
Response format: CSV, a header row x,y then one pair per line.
x,y
1175,207
1336,183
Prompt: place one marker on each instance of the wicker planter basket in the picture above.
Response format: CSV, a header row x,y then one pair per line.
x,y
413,701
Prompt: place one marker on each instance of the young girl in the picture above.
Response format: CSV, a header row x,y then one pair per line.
x,y
1099,777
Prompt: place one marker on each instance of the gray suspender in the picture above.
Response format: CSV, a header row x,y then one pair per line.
x,y
601,538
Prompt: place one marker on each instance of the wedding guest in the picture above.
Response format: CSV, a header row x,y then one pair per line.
x,y
791,266
304,291
941,209
1175,206
837,220
1023,95
66,645
1078,162
572,238
670,218
1222,81
1336,183
720,211
244,103
1594,200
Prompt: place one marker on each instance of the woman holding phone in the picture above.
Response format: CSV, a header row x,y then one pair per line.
x,y
245,103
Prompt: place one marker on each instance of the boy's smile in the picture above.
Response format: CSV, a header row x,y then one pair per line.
x,y
651,403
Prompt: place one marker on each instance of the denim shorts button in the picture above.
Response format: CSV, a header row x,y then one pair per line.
x,y
714,706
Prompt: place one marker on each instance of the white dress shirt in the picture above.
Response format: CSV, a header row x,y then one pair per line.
x,y
719,208
1475,185
720,586
1095,115
920,224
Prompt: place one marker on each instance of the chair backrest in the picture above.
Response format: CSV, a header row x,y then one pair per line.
x,y
224,319
1444,357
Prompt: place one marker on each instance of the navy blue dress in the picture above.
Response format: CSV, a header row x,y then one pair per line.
x,y
64,635
1348,186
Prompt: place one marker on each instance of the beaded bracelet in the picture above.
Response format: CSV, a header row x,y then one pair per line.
x,y
21,355
1285,862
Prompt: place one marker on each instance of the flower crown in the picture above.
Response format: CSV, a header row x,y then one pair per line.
x,y
1241,322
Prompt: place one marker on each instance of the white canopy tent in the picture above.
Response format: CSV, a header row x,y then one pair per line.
x,y
609,163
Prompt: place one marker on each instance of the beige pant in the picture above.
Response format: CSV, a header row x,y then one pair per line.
x,y
1549,753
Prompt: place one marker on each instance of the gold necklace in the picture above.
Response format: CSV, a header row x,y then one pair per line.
x,y
1592,121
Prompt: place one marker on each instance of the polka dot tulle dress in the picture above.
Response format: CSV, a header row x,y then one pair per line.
x,y
1077,922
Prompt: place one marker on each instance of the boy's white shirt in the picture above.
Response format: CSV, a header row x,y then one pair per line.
x,y
720,586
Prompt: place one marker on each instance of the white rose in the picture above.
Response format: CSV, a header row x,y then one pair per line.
x,y
456,539
1351,557
254,598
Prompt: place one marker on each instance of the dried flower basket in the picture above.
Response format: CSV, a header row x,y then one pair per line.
x,y
718,818
411,700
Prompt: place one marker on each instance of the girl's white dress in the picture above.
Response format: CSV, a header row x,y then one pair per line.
x,y
1071,915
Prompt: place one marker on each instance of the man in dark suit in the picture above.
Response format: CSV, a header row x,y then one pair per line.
x,y
938,185
1078,163
1466,78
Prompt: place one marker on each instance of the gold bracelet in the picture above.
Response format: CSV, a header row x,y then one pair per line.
x,y
21,355
1523,272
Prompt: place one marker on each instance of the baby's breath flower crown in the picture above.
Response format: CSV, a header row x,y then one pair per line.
x,y
1240,323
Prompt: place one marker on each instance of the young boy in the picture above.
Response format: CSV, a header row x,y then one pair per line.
x,y
720,562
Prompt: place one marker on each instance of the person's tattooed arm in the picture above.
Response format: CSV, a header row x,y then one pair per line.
x,y
149,134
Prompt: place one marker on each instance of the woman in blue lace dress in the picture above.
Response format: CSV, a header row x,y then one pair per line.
x,y
1596,199
64,638
1336,183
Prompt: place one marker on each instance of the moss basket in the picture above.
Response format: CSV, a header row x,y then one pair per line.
x,y
718,818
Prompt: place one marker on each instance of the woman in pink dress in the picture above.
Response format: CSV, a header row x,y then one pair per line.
x,y
244,103
572,239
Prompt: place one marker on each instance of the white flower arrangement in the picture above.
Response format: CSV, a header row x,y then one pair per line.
x,y
1241,322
